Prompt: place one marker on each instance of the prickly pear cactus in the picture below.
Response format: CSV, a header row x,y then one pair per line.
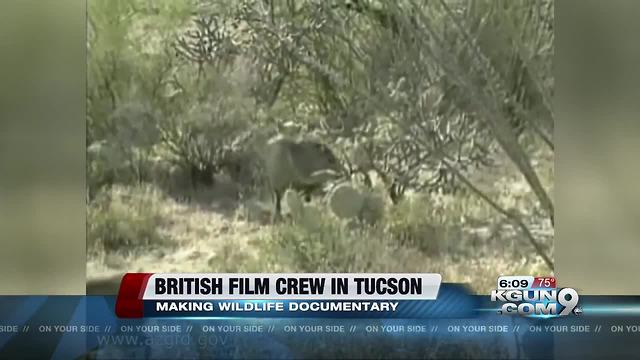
x,y
372,207
345,201
293,202
306,215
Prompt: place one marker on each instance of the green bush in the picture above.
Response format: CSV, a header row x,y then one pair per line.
x,y
125,219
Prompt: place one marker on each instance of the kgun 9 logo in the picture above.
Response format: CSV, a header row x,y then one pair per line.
x,y
537,302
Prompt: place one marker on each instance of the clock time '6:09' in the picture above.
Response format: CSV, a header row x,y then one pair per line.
x,y
515,282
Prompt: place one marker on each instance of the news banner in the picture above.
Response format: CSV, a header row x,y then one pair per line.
x,y
399,315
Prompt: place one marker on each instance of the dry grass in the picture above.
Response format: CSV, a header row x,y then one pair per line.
x,y
139,229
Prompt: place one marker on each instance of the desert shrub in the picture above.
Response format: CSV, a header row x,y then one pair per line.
x,y
326,245
125,219
321,242
124,153
414,222
232,258
198,140
105,166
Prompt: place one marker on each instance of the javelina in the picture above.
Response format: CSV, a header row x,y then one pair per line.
x,y
301,165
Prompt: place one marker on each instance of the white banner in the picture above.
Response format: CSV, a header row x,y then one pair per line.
x,y
294,286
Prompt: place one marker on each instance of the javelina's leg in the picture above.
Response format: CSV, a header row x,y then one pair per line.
x,y
278,208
